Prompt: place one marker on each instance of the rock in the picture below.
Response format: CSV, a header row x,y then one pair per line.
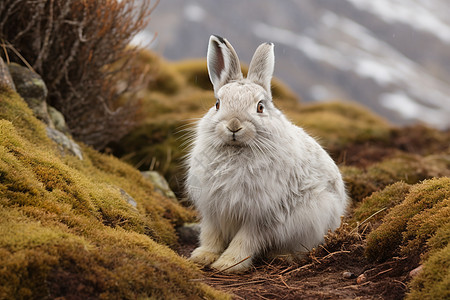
x,y
160,183
128,198
416,271
361,279
348,275
58,120
189,233
32,89
5,75
64,142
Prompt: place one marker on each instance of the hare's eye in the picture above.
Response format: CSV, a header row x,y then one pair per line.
x,y
260,107
217,104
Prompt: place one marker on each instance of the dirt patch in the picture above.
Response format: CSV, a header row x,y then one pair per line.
x,y
417,139
333,271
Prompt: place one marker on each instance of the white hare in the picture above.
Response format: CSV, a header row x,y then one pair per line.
x,y
260,183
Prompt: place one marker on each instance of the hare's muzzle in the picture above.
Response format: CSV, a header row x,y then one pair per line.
x,y
234,125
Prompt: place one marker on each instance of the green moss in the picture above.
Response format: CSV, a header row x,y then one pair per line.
x,y
380,202
400,224
195,72
66,229
440,239
408,168
425,225
433,281
338,124
165,78
14,109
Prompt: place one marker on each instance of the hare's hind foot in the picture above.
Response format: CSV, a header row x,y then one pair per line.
x,y
231,264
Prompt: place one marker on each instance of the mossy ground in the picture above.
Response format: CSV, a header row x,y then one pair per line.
x,y
67,231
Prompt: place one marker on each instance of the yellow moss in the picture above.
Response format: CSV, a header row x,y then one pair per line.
x,y
195,72
385,241
425,225
66,230
14,109
380,202
165,78
409,168
439,240
192,103
433,281
340,123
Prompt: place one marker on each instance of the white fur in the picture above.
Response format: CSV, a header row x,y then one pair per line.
x,y
268,187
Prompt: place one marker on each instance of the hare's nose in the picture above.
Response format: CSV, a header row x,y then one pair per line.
x,y
234,125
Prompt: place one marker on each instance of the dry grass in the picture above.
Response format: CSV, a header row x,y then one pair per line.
x,y
80,48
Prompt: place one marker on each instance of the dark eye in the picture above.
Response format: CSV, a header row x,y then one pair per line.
x,y
260,107
217,104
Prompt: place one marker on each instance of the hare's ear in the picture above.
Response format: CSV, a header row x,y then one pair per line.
x,y
223,62
261,67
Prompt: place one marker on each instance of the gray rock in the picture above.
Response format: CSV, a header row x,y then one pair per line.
x,y
348,275
32,89
189,233
58,120
128,198
64,142
160,184
5,75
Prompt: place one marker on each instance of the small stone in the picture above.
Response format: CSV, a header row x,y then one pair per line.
x,y
361,279
32,89
57,118
416,271
128,198
5,76
160,184
348,275
64,142
189,233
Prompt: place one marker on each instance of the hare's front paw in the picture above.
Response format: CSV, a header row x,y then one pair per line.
x,y
203,257
231,264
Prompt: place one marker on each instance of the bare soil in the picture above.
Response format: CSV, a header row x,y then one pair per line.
x,y
336,270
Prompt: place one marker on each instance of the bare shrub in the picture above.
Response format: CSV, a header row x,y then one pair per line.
x,y
80,48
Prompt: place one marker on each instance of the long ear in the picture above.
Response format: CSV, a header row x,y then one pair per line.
x,y
223,62
261,67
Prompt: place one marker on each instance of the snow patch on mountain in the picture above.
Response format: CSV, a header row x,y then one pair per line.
x,y
358,51
194,13
425,15
413,110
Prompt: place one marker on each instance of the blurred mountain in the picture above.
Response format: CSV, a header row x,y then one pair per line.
x,y
392,56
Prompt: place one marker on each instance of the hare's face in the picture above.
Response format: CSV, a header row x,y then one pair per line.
x,y
243,105
240,112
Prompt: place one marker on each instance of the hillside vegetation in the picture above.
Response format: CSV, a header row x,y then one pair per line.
x,y
68,227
